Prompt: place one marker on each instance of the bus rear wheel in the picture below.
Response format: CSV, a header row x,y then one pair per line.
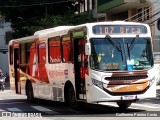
x,y
124,105
70,98
30,97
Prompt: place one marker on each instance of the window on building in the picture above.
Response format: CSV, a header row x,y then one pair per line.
x,y
139,14
90,5
143,14
54,50
146,13
86,5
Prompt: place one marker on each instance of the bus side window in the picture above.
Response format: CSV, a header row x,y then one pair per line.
x,y
29,46
54,50
42,53
22,54
66,48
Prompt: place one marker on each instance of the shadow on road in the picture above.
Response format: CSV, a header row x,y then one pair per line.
x,y
152,100
86,109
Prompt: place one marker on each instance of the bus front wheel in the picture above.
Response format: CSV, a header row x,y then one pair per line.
x,y
124,105
30,97
70,98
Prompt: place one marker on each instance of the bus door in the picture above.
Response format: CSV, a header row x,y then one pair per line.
x,y
79,64
16,68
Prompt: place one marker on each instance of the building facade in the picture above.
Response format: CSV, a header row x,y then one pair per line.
x,y
145,11
5,28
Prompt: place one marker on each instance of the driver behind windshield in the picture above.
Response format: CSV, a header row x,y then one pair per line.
x,y
106,56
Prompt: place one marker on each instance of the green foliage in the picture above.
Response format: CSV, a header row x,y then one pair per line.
x,y
28,16
58,20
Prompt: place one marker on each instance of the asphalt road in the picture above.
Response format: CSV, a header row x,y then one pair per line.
x,y
13,103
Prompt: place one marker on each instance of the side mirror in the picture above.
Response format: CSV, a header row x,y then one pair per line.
x,y
158,24
87,49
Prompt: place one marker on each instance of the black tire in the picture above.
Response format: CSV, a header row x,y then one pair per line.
x,y
1,87
124,105
30,96
70,97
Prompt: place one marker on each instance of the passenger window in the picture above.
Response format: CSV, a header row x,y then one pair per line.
x,y
66,48
54,50
42,53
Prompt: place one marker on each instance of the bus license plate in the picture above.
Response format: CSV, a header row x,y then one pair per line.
x,y
128,97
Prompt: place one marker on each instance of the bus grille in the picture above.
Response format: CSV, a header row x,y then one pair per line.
x,y
127,77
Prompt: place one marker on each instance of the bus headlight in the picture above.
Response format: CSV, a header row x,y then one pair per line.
x,y
97,83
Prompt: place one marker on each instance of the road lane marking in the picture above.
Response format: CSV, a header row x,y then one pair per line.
x,y
144,105
109,104
1,110
153,106
43,109
14,109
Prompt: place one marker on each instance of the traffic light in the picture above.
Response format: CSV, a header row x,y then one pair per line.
x,y
158,24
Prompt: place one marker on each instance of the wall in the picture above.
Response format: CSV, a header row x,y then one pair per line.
x,y
156,37
4,57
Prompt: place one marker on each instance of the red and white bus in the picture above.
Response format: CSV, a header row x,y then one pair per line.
x,y
92,62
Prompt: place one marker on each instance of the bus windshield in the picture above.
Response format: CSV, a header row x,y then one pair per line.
x,y
121,54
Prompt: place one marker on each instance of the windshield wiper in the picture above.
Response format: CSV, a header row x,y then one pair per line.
x,y
133,42
114,43
128,50
132,45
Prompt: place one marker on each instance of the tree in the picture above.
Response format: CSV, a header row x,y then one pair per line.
x,y
28,16
58,20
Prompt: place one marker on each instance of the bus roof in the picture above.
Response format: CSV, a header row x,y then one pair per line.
x,y
24,39
60,30
112,23
47,31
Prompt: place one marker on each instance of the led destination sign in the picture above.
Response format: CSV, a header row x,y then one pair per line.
x,y
119,29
